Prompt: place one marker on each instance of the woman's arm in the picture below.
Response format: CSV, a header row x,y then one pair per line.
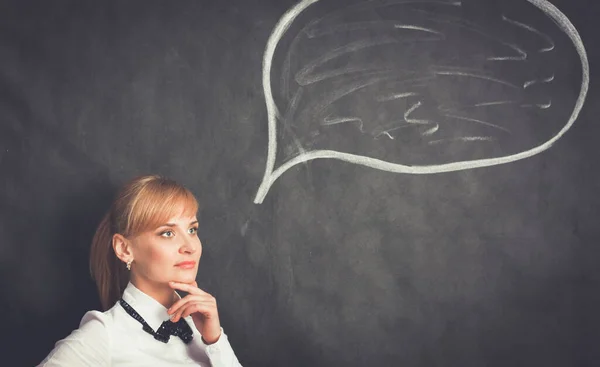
x,y
220,353
86,346
202,308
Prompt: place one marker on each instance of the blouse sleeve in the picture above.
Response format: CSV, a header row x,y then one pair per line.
x,y
221,353
87,346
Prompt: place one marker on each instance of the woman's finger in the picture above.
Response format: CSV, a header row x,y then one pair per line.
x,y
207,309
191,288
181,302
193,291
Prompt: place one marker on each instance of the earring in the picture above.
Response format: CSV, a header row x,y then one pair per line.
x,y
129,265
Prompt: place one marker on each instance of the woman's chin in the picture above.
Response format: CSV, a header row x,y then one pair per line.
x,y
187,278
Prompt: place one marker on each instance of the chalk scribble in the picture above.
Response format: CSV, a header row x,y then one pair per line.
x,y
400,92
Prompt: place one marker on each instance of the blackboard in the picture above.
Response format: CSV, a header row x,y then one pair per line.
x,y
383,183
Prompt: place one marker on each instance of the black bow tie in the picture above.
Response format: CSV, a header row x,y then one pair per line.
x,y
166,329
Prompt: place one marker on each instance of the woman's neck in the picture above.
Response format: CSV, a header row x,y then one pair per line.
x,y
161,292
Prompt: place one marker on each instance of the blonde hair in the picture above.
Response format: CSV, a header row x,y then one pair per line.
x,y
143,203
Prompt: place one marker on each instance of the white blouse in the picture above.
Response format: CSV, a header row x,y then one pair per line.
x,y
114,338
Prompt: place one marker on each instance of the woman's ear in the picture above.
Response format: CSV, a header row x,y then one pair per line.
x,y
122,247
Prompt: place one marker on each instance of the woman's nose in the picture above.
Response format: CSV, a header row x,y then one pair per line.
x,y
189,245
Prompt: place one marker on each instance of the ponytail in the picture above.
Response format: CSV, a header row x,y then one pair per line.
x,y
106,269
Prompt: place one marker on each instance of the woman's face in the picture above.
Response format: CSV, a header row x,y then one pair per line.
x,y
158,251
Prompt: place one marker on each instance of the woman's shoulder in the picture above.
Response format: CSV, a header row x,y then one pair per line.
x,y
87,345
98,319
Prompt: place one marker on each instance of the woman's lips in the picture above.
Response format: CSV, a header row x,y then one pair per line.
x,y
186,264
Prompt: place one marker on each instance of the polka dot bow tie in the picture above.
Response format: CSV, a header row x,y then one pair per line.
x,y
166,329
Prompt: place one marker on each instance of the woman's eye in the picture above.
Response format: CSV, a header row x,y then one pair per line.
x,y
167,234
193,230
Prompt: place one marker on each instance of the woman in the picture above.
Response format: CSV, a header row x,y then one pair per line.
x,y
145,248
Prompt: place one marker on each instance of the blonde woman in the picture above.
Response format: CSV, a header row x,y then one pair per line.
x,y
145,248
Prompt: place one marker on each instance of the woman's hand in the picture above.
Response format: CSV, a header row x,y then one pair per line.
x,y
203,308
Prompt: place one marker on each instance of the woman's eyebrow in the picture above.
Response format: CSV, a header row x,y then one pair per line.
x,y
175,225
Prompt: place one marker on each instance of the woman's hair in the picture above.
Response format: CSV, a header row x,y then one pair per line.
x,y
142,204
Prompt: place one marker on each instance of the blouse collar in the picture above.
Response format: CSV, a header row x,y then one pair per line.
x,y
153,312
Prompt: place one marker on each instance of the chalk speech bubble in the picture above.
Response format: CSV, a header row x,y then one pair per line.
x,y
430,29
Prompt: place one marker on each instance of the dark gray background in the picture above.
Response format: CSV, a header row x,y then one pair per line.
x,y
341,264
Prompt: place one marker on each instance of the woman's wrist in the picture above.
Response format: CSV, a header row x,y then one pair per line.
x,y
209,340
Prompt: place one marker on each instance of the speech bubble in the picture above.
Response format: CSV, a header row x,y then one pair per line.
x,y
342,69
